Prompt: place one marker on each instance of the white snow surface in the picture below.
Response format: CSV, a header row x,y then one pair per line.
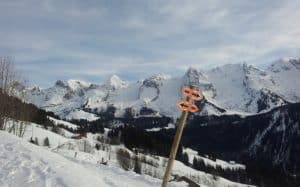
x,y
80,114
25,164
223,164
36,132
62,122
170,126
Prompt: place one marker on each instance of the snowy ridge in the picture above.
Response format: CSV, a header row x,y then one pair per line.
x,y
232,88
224,165
65,123
80,114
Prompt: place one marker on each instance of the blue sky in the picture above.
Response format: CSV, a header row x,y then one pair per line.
x,y
92,39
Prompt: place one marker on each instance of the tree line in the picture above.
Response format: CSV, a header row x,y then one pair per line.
x,y
12,98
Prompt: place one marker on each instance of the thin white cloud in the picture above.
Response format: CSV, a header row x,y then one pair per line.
x,y
128,37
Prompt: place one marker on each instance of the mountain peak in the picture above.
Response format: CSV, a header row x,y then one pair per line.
x,y
191,70
192,77
284,64
158,77
72,84
115,82
61,83
155,80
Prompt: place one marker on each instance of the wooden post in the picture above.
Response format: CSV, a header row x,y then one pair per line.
x,y
175,146
187,105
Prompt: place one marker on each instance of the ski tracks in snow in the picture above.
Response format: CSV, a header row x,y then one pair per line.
x,y
20,168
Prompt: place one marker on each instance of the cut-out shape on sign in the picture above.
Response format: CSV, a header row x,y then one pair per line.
x,y
187,106
192,93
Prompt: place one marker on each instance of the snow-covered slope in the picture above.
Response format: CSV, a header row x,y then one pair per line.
x,y
71,162
38,133
233,88
217,163
24,164
286,74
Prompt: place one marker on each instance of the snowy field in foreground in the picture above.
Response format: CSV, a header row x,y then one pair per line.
x,y
25,164
66,158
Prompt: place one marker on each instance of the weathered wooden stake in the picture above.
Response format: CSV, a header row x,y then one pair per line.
x,y
174,148
187,105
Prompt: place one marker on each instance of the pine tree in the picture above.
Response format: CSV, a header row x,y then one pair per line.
x,y
123,158
31,140
46,142
185,159
137,166
195,163
36,141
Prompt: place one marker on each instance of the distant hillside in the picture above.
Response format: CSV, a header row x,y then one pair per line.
x,y
13,107
267,143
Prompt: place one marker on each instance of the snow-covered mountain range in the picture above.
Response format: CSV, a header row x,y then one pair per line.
x,y
229,89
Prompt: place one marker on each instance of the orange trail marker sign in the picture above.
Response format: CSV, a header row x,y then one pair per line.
x,y
193,93
186,106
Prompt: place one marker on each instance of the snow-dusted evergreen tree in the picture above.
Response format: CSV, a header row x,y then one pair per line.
x,y
46,142
137,165
185,159
36,141
124,159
